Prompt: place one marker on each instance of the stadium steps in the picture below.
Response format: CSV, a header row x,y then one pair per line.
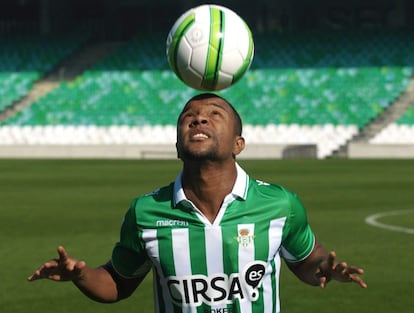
x,y
82,59
390,115
39,89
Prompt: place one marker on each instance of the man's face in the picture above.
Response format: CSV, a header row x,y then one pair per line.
x,y
206,131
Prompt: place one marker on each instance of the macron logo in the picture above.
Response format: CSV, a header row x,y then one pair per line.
x,y
171,223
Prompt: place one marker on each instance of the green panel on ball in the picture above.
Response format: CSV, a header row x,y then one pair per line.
x,y
214,56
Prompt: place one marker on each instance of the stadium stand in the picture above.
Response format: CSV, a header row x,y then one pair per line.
x,y
25,59
317,88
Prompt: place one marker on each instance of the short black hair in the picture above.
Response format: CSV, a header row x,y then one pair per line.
x,y
238,124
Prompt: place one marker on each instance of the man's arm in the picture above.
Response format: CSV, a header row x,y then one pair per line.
x,y
320,267
102,284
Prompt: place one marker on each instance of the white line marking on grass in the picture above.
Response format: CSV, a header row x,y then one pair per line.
x,y
373,220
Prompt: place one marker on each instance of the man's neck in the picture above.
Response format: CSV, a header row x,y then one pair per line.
x,y
207,184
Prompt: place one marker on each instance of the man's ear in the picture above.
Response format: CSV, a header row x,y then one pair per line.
x,y
238,145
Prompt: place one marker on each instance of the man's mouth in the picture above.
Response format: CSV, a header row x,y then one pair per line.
x,y
200,136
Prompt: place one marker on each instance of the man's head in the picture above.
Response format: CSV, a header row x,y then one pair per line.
x,y
209,127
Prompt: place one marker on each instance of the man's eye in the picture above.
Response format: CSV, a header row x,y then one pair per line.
x,y
187,115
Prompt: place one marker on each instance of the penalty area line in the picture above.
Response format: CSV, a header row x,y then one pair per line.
x,y
373,221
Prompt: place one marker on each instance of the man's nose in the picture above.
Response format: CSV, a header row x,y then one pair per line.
x,y
199,119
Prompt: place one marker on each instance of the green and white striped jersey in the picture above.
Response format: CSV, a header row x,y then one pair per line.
x,y
231,265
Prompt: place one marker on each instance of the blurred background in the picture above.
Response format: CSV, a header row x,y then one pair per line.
x,y
89,78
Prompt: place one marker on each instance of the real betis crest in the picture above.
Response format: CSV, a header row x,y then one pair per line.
x,y
244,238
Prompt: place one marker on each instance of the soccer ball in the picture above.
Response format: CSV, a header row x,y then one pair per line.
x,y
210,47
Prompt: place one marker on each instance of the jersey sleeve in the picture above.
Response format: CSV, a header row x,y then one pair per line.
x,y
299,240
128,256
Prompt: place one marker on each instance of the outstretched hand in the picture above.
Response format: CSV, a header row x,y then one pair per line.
x,y
63,268
339,271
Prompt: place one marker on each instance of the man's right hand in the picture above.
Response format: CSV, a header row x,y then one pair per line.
x,y
63,268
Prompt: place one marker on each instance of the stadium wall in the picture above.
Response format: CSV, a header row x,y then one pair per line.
x,y
156,151
380,151
167,151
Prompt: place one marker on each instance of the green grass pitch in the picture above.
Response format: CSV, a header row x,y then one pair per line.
x,y
80,204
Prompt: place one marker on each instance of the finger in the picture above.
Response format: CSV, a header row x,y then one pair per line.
x,y
332,264
322,281
342,268
359,281
63,255
41,272
331,259
351,274
343,272
34,276
346,270
355,270
80,265
77,270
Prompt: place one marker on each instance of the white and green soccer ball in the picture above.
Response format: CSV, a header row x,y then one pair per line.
x,y
210,47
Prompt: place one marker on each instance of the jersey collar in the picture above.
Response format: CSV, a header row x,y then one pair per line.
x,y
239,189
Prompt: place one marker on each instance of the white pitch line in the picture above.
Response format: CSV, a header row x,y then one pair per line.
x,y
373,220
